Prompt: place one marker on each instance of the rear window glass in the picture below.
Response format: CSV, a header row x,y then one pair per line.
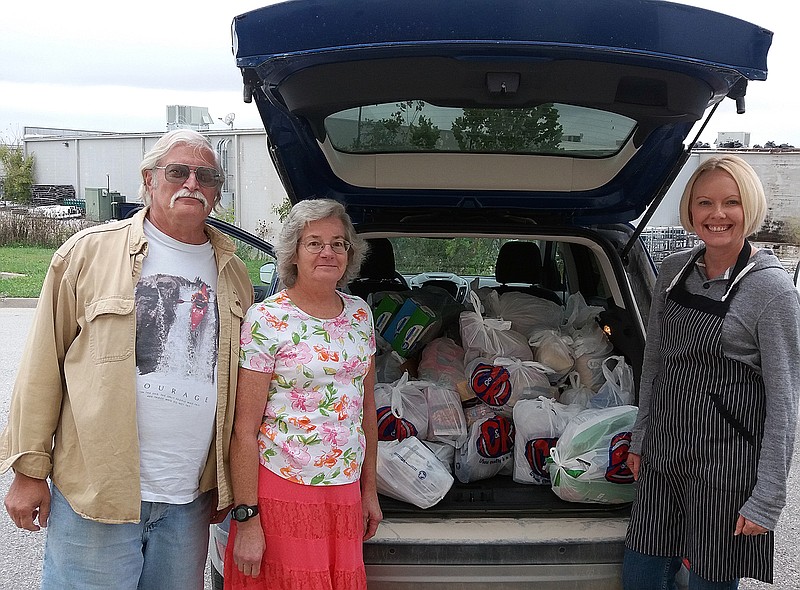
x,y
418,126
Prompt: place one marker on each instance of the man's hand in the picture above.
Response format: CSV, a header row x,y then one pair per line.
x,y
27,501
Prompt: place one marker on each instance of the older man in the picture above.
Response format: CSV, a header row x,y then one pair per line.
x,y
123,398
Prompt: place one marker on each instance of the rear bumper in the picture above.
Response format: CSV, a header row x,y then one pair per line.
x,y
476,554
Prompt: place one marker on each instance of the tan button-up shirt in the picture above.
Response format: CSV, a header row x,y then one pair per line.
x,y
73,408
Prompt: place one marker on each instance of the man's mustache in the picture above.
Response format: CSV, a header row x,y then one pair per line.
x,y
185,192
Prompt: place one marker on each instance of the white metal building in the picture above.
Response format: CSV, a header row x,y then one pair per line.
x,y
112,161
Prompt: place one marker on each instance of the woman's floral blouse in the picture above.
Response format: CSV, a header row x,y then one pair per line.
x,y
311,432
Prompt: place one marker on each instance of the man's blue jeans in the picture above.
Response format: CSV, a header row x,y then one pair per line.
x,y
651,572
166,549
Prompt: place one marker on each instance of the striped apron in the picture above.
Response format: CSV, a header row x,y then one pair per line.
x,y
700,451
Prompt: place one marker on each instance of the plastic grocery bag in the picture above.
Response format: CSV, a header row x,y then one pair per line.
x,y
538,424
618,388
442,362
503,382
578,314
409,471
588,462
446,453
446,421
553,350
402,410
529,314
489,450
576,393
591,347
388,364
490,337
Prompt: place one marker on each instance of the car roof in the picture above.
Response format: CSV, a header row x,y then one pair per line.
x,y
614,87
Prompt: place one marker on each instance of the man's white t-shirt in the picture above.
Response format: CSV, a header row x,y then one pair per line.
x,y
177,328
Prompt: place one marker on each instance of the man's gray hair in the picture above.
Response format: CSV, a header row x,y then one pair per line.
x,y
164,144
299,217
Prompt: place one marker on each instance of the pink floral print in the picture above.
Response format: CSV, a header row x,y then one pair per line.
x,y
311,431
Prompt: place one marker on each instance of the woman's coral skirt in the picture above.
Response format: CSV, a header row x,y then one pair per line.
x,y
313,537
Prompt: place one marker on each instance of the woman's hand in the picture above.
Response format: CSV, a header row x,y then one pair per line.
x,y
371,510
633,462
249,546
748,528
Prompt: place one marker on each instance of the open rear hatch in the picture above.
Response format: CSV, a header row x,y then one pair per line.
x,y
391,106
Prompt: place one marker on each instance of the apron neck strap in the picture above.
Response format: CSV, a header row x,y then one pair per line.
x,y
741,262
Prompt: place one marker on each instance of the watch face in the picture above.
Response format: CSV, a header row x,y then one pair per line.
x,y
242,512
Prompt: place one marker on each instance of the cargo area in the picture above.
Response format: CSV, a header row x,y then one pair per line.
x,y
420,287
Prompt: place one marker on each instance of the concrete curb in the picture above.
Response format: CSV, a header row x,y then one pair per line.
x,y
9,302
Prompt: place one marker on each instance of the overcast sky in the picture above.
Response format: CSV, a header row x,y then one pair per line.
x,y
114,66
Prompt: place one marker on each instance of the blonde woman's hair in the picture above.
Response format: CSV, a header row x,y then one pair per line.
x,y
754,201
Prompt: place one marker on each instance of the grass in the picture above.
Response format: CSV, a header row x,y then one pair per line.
x,y
33,261
30,261
27,245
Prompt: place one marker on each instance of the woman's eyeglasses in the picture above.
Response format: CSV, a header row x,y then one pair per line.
x,y
178,173
317,246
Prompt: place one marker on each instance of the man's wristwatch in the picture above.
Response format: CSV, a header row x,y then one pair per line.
x,y
244,512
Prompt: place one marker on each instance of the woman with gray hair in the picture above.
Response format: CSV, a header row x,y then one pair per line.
x,y
304,440
718,400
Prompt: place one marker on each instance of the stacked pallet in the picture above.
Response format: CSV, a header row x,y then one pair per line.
x,y
51,194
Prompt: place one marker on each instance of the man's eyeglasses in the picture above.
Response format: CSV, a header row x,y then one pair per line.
x,y
317,246
178,173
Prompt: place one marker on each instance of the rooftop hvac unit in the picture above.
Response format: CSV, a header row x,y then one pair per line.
x,y
188,117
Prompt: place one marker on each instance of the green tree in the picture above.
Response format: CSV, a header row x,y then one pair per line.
x,y
508,130
406,128
18,174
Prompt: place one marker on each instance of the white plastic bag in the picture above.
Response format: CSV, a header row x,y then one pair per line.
x,y
578,314
553,350
538,424
388,364
618,388
409,471
446,453
488,450
490,337
446,421
503,382
402,410
575,392
588,462
529,314
591,347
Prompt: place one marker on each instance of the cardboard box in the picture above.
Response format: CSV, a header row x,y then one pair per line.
x,y
399,319
386,310
412,327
